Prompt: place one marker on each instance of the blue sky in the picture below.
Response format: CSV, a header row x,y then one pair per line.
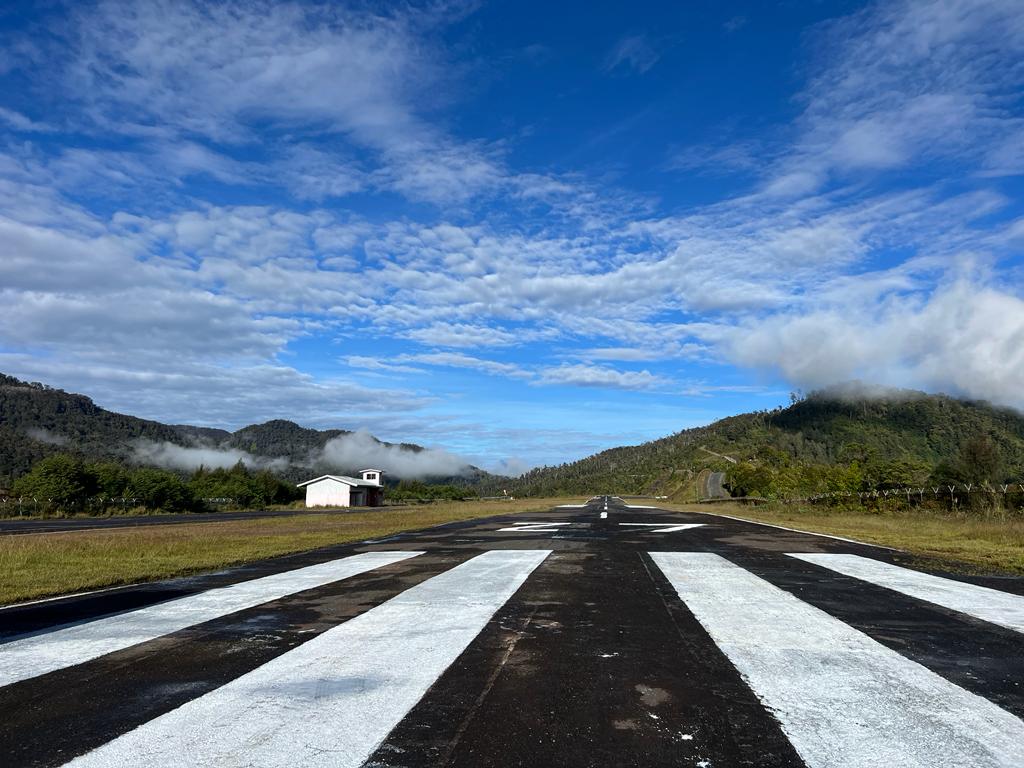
x,y
521,232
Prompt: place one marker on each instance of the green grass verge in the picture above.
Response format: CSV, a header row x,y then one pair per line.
x,y
42,565
965,544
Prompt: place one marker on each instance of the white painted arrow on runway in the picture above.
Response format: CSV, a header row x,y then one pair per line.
x,y
534,527
661,528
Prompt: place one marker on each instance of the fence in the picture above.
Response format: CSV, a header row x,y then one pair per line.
x,y
11,506
954,493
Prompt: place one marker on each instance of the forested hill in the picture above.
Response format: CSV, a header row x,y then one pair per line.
x,y
37,421
830,440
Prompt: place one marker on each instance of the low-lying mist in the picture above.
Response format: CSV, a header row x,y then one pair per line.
x,y
171,456
360,450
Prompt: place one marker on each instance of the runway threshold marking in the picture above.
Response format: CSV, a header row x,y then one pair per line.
x,y
840,697
38,654
1002,608
332,700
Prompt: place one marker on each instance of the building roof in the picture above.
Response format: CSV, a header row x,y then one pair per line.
x,y
378,471
341,479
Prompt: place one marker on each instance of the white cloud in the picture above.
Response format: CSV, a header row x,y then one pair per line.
x,y
966,338
464,335
171,456
360,450
458,360
171,72
634,51
905,81
580,375
20,122
513,466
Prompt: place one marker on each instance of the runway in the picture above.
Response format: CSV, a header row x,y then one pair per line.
x,y
595,635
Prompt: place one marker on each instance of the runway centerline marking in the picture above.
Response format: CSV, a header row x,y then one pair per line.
x,y
841,697
332,700
55,649
991,605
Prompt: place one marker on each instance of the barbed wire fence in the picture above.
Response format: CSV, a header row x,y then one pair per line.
x,y
953,494
18,506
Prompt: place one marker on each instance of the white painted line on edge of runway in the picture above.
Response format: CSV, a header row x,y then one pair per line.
x,y
55,649
841,698
797,530
332,700
991,605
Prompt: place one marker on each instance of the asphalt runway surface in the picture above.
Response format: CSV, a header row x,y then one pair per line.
x,y
595,635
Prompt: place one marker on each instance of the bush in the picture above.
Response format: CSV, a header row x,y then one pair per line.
x,y
245,488
160,489
59,481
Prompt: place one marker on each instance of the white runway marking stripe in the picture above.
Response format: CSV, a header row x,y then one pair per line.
x,y
990,605
331,701
667,527
537,527
60,648
841,698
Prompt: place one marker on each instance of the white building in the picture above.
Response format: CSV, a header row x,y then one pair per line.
x,y
344,491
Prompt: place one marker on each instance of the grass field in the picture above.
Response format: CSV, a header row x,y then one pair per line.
x,y
965,544
40,565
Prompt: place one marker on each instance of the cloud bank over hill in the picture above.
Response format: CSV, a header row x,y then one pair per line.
x,y
171,456
346,453
360,448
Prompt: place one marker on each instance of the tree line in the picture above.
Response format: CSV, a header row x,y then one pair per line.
x,y
67,483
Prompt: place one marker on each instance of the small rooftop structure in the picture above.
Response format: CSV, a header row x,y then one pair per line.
x,y
344,491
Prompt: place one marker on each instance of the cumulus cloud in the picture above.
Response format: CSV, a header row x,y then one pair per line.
x,y
360,450
171,456
965,338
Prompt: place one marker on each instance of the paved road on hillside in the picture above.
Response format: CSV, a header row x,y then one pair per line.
x,y
715,488
583,636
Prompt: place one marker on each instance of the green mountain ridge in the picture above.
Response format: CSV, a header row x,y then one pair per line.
x,y
37,421
840,439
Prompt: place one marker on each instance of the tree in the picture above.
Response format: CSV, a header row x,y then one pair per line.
x,y
980,460
60,478
160,489
109,478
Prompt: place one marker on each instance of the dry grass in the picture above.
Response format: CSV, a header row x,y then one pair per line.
x,y
39,565
974,544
